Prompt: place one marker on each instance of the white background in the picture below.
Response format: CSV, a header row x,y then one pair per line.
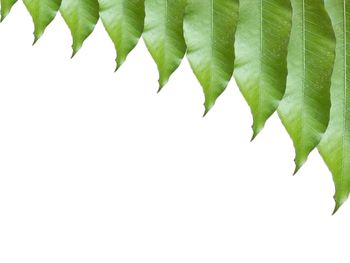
x,y
97,167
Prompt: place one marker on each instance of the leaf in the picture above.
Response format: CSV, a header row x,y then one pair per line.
x,y
261,55
209,28
6,6
164,35
335,146
42,12
304,111
81,16
123,20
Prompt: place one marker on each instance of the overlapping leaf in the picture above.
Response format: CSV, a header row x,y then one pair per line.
x,y
81,17
123,20
164,35
279,55
335,146
261,55
42,12
209,28
305,108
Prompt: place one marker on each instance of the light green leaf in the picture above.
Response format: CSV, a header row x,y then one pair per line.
x,y
6,6
261,55
335,146
42,12
164,35
209,28
81,17
123,20
305,108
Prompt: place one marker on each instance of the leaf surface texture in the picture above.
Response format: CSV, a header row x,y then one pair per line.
x,y
81,17
164,35
6,6
209,29
335,146
42,12
124,21
261,55
305,107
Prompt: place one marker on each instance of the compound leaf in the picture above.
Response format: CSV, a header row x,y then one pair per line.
x,y
164,35
305,108
209,29
81,17
261,55
42,12
123,20
335,145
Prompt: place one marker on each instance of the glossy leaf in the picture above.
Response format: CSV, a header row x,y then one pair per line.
x,y
209,28
305,108
6,6
81,17
42,12
164,35
123,20
335,146
261,55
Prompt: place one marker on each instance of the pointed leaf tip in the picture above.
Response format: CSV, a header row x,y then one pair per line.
x,y
123,21
119,62
6,6
35,41
81,18
163,35
210,43
261,74
338,204
305,108
335,144
160,88
42,13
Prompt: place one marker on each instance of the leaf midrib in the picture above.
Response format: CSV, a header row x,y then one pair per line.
x,y
212,43
304,69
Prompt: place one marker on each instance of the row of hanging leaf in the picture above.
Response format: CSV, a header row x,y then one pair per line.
x,y
289,56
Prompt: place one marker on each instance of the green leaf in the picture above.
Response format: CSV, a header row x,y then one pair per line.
x,y
261,55
305,108
42,12
123,20
6,6
164,35
335,145
209,28
81,16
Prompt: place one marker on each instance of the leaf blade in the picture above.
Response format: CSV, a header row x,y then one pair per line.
x,y
124,21
335,145
42,12
81,16
210,44
261,55
305,108
6,6
163,35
